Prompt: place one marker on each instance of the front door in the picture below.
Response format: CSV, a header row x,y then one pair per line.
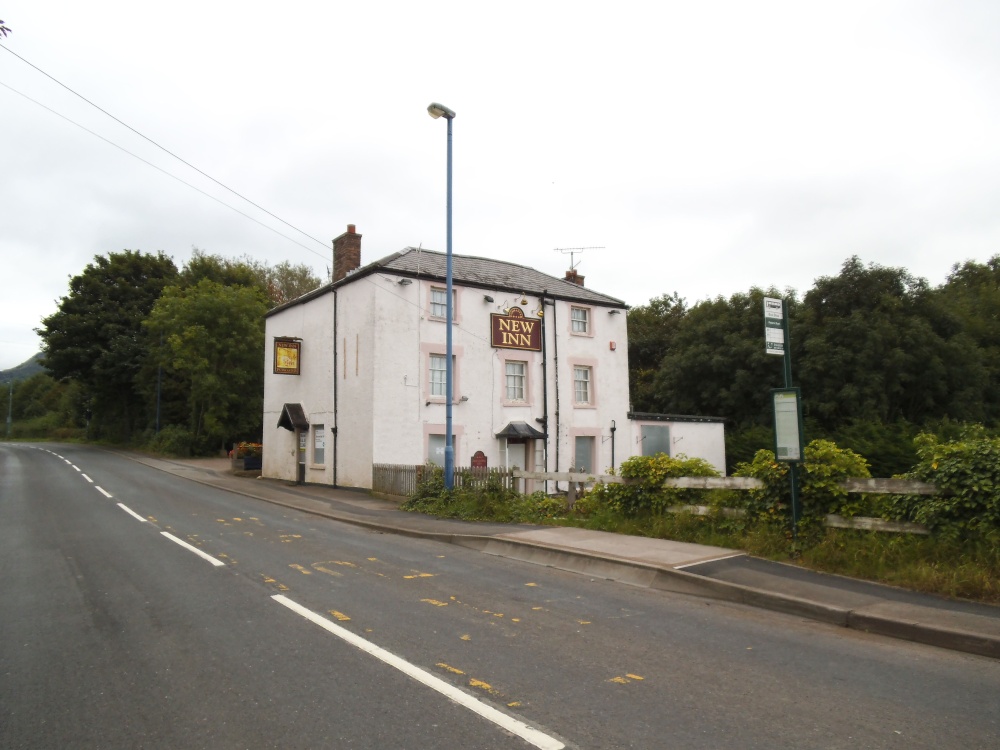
x,y
300,470
516,454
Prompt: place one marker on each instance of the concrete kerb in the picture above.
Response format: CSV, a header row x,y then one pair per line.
x,y
931,635
645,575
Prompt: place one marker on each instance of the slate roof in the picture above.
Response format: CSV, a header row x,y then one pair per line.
x,y
467,270
489,274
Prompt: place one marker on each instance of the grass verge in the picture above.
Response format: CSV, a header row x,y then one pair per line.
x,y
965,569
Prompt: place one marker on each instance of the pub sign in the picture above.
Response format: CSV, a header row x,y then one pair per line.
x,y
287,356
511,330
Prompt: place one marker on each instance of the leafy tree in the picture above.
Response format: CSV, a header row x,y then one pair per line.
x,y
213,343
651,329
96,339
972,294
281,283
224,271
37,396
877,346
716,363
286,282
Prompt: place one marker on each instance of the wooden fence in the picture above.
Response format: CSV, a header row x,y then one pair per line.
x,y
577,481
400,480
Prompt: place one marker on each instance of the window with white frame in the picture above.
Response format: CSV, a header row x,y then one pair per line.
x,y
436,448
438,375
583,454
582,384
580,317
439,302
516,379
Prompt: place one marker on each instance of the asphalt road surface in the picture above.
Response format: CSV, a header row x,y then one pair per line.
x,y
141,610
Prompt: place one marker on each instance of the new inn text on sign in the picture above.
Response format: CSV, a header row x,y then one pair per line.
x,y
514,331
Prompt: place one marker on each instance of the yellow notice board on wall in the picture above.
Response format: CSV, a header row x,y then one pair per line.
x,y
287,357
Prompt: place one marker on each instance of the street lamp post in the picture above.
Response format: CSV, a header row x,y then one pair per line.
x,y
436,110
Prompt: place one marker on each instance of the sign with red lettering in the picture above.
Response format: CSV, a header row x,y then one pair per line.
x,y
514,331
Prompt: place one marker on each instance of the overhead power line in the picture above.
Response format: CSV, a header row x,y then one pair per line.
x,y
165,150
160,169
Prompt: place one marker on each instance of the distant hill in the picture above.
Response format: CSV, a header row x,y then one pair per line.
x,y
23,371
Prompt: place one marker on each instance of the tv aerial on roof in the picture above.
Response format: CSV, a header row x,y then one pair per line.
x,y
572,251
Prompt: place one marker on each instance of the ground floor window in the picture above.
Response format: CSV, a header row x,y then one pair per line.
x,y
583,455
655,439
435,449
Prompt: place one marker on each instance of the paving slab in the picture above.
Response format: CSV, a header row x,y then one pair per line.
x,y
663,552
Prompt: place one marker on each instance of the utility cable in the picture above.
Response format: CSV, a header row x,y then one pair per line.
x,y
168,174
165,150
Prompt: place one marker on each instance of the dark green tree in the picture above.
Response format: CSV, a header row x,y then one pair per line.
x,y
281,283
972,294
716,365
651,331
213,351
96,339
877,346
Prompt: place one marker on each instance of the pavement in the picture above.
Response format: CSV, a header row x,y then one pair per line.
x,y
693,569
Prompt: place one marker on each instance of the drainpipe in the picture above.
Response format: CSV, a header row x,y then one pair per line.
x,y
555,347
335,388
613,428
545,392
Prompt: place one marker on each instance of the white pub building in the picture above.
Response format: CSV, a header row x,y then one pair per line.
x,y
355,373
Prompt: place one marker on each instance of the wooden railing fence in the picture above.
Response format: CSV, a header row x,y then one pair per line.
x,y
576,482
400,480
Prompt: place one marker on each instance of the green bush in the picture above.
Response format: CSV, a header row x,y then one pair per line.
x,y
645,492
825,466
172,441
967,475
480,500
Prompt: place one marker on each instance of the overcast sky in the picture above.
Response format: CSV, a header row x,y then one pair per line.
x,y
705,147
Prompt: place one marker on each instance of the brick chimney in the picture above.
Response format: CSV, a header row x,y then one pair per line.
x,y
346,253
573,277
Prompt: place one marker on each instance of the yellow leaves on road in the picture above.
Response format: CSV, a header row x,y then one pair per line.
x,y
627,678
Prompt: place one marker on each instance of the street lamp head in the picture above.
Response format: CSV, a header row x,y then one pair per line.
x,y
436,110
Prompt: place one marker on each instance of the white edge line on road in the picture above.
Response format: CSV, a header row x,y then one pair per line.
x,y
512,725
88,478
132,513
217,563
709,560
104,491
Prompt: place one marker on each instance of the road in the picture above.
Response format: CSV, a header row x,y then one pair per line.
x,y
141,610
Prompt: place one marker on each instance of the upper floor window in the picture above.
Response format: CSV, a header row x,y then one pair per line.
x,y
439,302
580,317
516,376
582,379
438,375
